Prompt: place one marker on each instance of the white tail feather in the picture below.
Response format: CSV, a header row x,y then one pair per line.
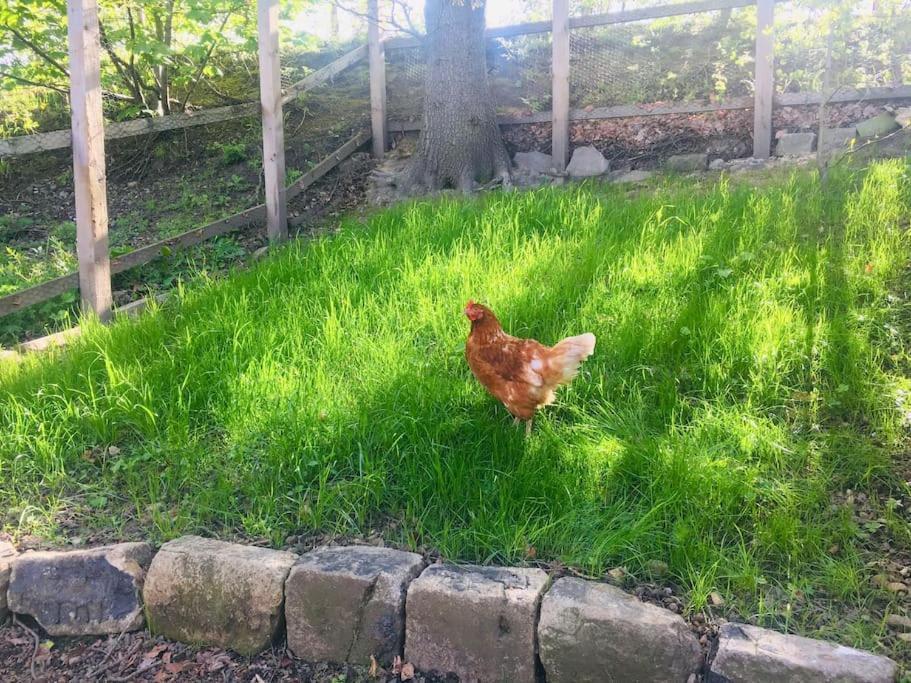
x,y
569,354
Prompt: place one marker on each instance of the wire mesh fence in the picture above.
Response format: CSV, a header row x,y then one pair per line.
x,y
519,73
406,69
871,49
706,56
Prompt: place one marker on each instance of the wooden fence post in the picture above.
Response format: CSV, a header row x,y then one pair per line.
x,y
88,158
270,95
377,54
560,85
764,83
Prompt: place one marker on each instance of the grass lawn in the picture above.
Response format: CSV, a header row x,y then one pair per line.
x,y
751,367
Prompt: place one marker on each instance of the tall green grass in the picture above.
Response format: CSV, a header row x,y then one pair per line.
x,y
742,375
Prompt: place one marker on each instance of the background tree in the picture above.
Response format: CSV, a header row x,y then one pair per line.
x,y
156,54
460,143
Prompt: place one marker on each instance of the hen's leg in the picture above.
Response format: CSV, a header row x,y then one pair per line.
x,y
528,427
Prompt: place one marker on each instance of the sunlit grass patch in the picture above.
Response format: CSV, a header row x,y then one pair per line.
x,y
746,370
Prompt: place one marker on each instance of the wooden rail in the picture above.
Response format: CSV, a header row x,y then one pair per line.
x,y
325,74
61,139
594,20
257,214
631,110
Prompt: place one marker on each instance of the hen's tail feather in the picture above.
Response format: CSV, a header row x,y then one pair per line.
x,y
569,354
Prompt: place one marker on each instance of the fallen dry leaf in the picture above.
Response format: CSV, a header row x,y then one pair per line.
x,y
407,672
396,666
374,667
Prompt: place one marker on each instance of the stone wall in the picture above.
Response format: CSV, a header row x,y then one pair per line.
x,y
358,604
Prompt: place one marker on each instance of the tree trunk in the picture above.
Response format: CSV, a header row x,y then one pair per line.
x,y
460,142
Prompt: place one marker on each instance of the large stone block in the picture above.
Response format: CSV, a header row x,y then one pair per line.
x,y
207,592
757,655
587,162
475,622
836,140
345,604
795,144
7,553
685,163
82,592
595,632
877,127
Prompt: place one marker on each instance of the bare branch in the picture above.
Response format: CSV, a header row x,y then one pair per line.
x,y
869,143
386,24
205,61
62,89
119,65
37,50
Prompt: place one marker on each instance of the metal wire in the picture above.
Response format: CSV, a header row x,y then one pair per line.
x,y
700,57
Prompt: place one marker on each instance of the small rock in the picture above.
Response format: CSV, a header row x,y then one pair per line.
x,y
877,127
715,599
537,162
260,253
684,163
903,117
896,586
795,144
758,655
906,637
899,621
7,554
587,162
718,165
833,549
81,592
618,574
691,678
208,592
113,451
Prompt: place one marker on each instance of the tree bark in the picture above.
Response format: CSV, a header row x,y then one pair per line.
x,y
460,142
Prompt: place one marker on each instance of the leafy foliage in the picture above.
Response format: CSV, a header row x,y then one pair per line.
x,y
158,56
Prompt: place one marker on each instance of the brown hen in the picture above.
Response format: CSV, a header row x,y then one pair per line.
x,y
521,373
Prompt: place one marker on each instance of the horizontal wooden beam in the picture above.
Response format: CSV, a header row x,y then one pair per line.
x,y
64,337
257,214
657,12
327,164
797,99
632,110
61,139
328,72
48,290
595,20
